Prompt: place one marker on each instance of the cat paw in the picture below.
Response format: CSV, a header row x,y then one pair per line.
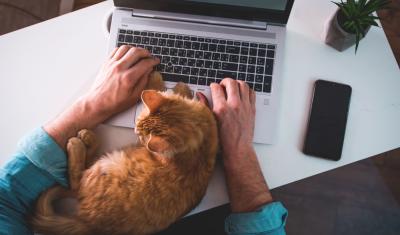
x,y
75,145
183,90
155,82
88,137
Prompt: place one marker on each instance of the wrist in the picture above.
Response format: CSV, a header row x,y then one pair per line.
x,y
232,156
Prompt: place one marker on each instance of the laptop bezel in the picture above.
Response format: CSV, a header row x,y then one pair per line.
x,y
211,9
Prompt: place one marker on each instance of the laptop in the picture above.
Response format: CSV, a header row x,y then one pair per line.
x,y
204,41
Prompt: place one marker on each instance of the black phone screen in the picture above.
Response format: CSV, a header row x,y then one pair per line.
x,y
327,120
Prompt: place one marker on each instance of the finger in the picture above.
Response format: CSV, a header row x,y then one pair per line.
x,y
232,89
122,50
244,91
141,68
252,99
113,52
202,99
141,84
133,55
217,95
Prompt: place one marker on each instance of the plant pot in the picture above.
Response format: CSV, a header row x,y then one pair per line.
x,y
337,37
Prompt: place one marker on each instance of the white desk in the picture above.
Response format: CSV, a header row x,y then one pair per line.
x,y
43,68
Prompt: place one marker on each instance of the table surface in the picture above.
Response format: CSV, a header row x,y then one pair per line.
x,y
47,66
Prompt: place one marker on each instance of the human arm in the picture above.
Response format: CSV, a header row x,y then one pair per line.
x,y
40,160
251,202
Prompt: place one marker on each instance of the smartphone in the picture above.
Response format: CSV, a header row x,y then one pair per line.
x,y
327,120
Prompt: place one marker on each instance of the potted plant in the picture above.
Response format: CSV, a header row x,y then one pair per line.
x,y
351,22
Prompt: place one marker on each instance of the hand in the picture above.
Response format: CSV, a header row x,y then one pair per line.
x,y
234,107
122,79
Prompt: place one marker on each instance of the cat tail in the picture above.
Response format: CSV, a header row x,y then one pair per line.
x,y
46,221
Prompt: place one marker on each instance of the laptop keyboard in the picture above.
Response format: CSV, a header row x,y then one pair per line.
x,y
202,60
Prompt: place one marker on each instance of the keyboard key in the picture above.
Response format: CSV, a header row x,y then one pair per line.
x,y
199,55
122,31
204,46
242,68
270,53
226,74
234,58
251,69
271,47
164,35
222,41
174,60
165,59
251,85
165,51
269,66
170,43
173,52
187,44
120,44
253,45
153,41
211,73
236,43
151,34
252,60
261,53
137,39
212,47
232,49
193,79
202,81
186,38
179,44
217,65
210,80
243,59
179,37
182,52
169,68
224,57
195,45
203,72
221,48
242,76
260,61
253,51
178,69
244,51
171,36
158,35
258,87
199,63
162,42
194,71
182,61
149,48
213,41
259,78
263,46
121,38
208,64
192,62
267,88
260,70
207,55
190,53
129,38
216,56
229,42
250,77
230,66
245,44
185,70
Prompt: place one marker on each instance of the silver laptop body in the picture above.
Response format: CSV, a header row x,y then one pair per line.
x,y
127,21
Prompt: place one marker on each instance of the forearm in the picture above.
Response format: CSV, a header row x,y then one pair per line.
x,y
246,184
81,115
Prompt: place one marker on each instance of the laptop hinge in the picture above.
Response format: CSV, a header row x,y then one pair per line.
x,y
200,19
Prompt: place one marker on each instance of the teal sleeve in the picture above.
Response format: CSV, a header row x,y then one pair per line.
x,y
268,220
38,164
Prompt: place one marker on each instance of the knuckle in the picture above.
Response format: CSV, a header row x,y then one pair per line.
x,y
220,110
125,46
117,67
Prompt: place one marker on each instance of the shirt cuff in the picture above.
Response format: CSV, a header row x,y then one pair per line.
x,y
40,148
267,219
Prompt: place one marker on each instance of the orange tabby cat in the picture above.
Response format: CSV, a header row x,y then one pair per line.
x,y
139,189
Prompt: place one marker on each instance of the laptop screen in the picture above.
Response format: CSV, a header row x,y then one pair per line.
x,y
271,11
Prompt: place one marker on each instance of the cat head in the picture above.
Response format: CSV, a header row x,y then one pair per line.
x,y
171,124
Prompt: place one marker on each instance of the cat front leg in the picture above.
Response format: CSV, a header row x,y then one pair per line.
x,y
155,82
76,151
183,90
91,142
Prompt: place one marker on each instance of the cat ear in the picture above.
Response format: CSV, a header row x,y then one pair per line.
x,y
152,100
157,144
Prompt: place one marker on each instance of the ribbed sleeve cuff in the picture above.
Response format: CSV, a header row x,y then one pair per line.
x,y
44,153
268,218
